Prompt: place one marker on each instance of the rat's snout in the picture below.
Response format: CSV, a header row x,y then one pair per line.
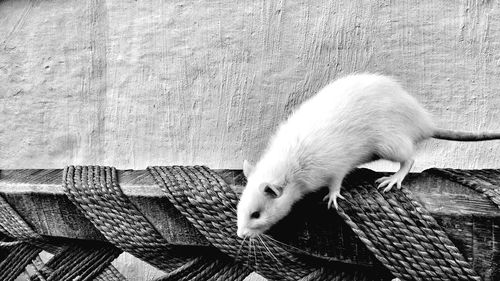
x,y
247,232
241,233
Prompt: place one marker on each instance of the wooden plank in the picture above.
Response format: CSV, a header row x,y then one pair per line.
x,y
137,83
470,219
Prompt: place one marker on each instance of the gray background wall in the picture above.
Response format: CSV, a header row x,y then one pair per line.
x,y
138,83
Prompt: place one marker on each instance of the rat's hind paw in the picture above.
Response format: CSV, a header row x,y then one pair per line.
x,y
389,182
332,199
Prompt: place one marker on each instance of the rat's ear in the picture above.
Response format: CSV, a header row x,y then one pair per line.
x,y
272,191
247,168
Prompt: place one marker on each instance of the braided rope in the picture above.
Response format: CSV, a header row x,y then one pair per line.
x,y
17,259
209,204
394,227
401,234
84,262
211,212
405,238
206,200
13,225
208,270
95,191
485,181
74,261
9,244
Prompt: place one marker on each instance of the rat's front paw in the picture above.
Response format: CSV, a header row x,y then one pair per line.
x,y
332,199
389,182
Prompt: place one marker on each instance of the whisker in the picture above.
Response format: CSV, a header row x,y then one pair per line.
x,y
239,249
255,245
262,251
259,252
272,255
255,255
248,252
267,252
250,242
232,208
285,246
253,249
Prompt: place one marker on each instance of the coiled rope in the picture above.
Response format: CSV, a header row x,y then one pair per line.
x,y
402,234
399,232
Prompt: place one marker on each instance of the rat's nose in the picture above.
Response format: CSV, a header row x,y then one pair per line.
x,y
240,233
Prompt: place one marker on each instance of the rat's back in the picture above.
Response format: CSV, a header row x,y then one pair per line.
x,y
364,100
350,120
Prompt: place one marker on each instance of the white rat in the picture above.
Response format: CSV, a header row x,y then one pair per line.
x,y
351,121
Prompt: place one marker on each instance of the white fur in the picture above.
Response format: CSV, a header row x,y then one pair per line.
x,y
345,125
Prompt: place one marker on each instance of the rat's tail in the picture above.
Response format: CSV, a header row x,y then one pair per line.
x,y
445,134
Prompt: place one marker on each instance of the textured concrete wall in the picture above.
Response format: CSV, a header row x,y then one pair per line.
x,y
132,83
137,83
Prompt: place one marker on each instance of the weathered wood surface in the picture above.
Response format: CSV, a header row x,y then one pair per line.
x,y
470,219
137,83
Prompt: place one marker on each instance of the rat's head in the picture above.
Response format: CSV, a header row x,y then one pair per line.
x,y
264,201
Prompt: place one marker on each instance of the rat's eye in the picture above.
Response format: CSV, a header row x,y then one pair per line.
x,y
255,215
